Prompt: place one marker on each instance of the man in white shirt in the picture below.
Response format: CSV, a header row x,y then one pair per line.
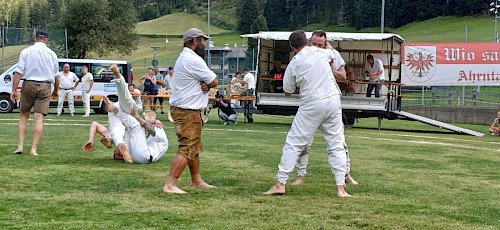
x,y
320,107
37,67
375,74
68,83
87,83
249,78
318,39
190,87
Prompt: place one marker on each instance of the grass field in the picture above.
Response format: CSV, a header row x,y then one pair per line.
x,y
176,24
412,176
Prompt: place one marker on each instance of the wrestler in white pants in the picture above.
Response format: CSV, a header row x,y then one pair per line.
x,y
126,129
325,114
304,160
86,102
63,94
143,150
125,103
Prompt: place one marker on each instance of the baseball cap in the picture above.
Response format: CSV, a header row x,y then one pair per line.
x,y
194,33
41,33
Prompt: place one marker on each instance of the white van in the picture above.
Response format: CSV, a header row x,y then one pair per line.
x,y
102,83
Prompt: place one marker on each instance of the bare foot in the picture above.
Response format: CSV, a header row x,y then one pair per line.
x,y
117,155
172,189
203,185
125,154
299,180
341,191
350,180
19,150
113,68
106,141
109,105
87,147
277,189
33,153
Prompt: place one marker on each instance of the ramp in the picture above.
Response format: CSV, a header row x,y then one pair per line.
x,y
438,124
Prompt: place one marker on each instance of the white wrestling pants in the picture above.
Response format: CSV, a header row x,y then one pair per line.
x,y
143,150
325,114
125,103
63,94
304,160
86,102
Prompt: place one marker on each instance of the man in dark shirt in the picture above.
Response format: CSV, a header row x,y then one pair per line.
x,y
226,113
277,74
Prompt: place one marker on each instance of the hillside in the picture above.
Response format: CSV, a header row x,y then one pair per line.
x,y
449,29
176,24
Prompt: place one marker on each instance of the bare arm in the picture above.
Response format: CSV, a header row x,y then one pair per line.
x,y
340,74
146,125
91,84
15,83
214,83
76,85
55,93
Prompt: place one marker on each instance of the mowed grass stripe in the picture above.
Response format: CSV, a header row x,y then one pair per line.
x,y
402,185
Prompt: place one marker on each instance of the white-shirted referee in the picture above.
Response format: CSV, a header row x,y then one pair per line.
x,y
190,88
37,67
87,83
68,83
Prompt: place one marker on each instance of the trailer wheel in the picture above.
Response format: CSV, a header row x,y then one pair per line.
x,y
6,105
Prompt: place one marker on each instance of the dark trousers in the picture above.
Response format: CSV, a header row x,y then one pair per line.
x,y
371,87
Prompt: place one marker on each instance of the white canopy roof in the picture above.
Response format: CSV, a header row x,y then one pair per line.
x,y
331,36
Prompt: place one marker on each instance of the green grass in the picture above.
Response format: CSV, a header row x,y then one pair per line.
x,y
411,176
176,24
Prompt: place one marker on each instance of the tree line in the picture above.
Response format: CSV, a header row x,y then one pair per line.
x,y
104,26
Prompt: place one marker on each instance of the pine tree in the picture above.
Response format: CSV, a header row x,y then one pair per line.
x,y
247,11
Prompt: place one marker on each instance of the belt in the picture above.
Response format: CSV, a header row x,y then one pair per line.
x,y
38,81
65,88
184,110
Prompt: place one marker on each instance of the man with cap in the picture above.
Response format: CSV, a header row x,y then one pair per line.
x,y
190,87
37,67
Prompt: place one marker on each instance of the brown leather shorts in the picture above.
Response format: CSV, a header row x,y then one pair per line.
x,y
188,126
35,95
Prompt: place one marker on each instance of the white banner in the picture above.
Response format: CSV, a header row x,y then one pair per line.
x,y
451,64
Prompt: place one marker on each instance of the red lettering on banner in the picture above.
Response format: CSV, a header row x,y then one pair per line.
x,y
487,77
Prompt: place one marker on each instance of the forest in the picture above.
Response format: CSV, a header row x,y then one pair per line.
x,y
279,14
104,26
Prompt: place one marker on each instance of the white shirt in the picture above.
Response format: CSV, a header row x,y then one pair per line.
x,y
137,99
250,80
189,71
38,63
310,70
170,80
377,66
66,82
339,61
86,80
